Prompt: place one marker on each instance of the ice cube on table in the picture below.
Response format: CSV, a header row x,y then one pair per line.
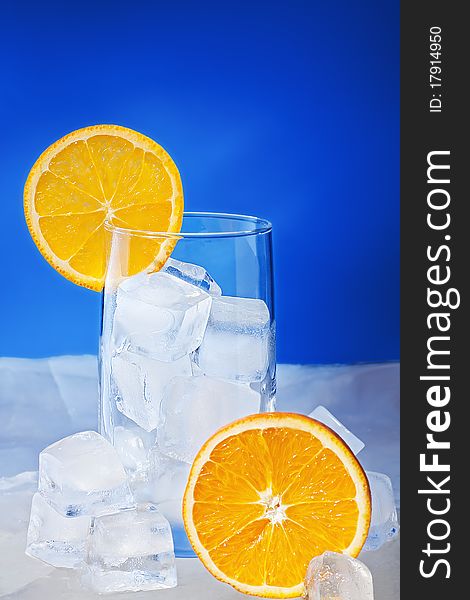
x,y
57,540
334,576
193,274
82,475
324,416
130,551
236,344
384,519
194,408
161,316
140,383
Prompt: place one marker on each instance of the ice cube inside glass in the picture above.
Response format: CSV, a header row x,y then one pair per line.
x,y
160,316
236,342
194,408
140,383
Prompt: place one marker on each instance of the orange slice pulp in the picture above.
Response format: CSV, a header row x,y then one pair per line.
x,y
98,174
269,492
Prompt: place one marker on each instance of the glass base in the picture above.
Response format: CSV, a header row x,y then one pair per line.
x,y
183,548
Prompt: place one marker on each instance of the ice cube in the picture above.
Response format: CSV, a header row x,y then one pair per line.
x,y
133,445
384,520
141,381
168,478
193,274
194,408
130,551
55,539
82,475
334,576
160,316
236,344
324,416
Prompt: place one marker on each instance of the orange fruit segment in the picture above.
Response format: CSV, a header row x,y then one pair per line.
x,y
269,492
98,174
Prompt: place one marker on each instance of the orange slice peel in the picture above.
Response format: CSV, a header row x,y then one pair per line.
x,y
269,492
99,174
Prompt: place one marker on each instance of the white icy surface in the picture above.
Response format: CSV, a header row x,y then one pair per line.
x,y
35,413
42,400
16,569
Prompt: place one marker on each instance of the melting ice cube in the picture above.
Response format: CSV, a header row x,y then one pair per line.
x,y
384,520
161,316
194,274
194,408
130,551
82,475
53,538
324,416
236,344
141,382
334,576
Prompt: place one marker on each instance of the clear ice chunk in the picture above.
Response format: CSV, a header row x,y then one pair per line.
x,y
236,344
193,274
140,383
324,416
130,551
82,475
334,576
161,316
168,479
384,519
133,445
57,540
194,408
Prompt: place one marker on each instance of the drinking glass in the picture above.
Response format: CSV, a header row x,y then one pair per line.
x,y
187,346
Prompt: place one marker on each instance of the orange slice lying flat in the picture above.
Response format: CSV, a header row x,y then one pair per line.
x,y
99,173
269,492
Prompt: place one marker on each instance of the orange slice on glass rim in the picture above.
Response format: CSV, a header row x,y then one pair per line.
x,y
269,492
98,174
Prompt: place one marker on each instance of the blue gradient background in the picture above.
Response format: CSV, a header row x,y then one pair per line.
x,y
288,110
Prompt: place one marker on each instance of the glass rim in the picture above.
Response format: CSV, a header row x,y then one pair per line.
x,y
259,226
